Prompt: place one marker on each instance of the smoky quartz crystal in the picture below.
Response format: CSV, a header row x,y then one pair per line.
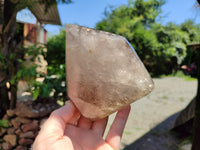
x,y
104,73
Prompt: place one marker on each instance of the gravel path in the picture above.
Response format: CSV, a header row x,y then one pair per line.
x,y
153,116
149,114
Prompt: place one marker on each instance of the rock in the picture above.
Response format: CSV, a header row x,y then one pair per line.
x,y
2,131
23,120
11,131
7,146
35,110
33,126
20,148
5,117
24,141
10,112
30,113
11,138
28,134
18,131
16,124
104,73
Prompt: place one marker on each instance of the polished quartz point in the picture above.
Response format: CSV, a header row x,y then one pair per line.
x,y
104,73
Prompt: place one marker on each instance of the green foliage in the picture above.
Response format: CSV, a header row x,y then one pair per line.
x,y
54,83
52,86
126,16
28,68
180,74
4,124
12,66
192,31
172,40
161,48
56,51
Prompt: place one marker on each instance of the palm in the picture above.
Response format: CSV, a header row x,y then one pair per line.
x,y
68,130
85,138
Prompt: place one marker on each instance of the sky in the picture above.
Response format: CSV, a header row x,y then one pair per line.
x,y
89,12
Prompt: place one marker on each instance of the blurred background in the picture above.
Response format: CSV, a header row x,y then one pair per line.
x,y
164,33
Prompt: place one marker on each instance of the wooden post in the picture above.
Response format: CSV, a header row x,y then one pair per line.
x,y
196,127
4,100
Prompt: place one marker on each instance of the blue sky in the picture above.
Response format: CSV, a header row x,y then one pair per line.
x,y
89,12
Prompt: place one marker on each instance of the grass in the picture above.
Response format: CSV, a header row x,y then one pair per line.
x,y
138,128
180,74
181,99
127,132
164,97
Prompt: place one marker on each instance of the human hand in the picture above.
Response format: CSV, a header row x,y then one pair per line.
x,y
66,129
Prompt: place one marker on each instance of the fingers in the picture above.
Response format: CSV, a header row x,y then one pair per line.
x,y
58,119
84,123
115,133
74,118
99,126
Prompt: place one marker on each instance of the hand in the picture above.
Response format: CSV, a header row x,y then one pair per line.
x,y
67,130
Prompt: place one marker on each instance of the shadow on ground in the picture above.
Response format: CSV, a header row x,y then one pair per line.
x,y
159,138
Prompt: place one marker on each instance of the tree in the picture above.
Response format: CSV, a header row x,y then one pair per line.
x,y
56,64
11,47
192,30
154,43
56,50
126,16
137,22
55,81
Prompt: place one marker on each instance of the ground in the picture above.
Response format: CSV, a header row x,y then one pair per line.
x,y
152,117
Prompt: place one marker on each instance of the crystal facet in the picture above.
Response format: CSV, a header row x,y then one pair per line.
x,y
104,73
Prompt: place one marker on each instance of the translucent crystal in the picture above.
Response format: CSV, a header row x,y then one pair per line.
x,y
104,73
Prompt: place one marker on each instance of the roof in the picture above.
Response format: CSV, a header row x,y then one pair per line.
x,y
49,17
194,46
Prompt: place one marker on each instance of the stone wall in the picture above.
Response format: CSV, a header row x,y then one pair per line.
x,y
24,124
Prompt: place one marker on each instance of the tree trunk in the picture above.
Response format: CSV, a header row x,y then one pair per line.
x,y
196,127
8,67
4,100
13,99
